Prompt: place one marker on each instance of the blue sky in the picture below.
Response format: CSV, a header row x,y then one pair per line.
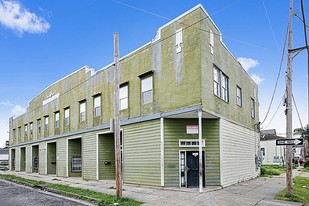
x,y
43,41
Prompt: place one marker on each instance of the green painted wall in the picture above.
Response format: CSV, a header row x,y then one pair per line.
x,y
75,148
141,153
51,158
174,130
89,152
62,157
106,154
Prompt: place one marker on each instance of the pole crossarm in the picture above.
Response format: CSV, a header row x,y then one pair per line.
x,y
298,49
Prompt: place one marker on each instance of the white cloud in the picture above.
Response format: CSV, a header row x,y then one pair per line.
x,y
18,110
6,103
17,18
247,63
257,79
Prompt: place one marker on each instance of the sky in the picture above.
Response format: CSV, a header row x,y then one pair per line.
x,y
44,41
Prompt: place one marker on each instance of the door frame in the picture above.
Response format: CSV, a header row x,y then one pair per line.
x,y
185,168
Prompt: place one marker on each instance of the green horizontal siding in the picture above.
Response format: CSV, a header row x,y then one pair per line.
x,y
61,162
212,147
141,153
174,130
89,170
106,154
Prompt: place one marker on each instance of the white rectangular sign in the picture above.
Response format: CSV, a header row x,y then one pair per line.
x,y
192,129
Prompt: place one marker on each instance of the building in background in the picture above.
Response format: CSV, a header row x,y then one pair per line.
x,y
67,128
4,158
271,153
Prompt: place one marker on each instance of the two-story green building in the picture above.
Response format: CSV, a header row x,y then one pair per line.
x,y
184,71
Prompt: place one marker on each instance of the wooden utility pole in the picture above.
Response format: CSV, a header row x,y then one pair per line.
x,y
116,119
288,104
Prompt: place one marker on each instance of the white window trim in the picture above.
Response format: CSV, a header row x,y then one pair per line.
x,y
238,96
178,40
124,98
221,84
144,90
190,141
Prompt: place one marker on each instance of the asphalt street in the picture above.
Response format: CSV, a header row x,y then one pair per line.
x,y
12,194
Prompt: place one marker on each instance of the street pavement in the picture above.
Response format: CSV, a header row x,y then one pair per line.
x,y
260,191
12,194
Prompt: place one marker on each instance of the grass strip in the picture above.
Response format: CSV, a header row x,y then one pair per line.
x,y
301,191
98,198
272,170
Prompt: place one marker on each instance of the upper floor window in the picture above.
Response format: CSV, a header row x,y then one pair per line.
x,y
46,123
82,111
211,41
238,96
31,128
147,91
26,130
57,120
14,134
97,106
221,87
66,116
39,125
252,108
178,40
123,97
19,132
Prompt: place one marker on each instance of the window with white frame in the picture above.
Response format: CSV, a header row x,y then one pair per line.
x,y
39,125
221,86
252,108
46,123
238,96
123,97
66,116
26,130
147,92
31,128
178,40
57,120
211,41
97,106
82,111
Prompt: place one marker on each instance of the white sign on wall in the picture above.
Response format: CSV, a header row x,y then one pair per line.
x,y
192,129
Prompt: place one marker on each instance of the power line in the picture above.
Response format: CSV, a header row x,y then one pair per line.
x,y
301,124
271,28
277,80
275,112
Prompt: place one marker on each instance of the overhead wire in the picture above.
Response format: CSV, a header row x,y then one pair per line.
x,y
275,112
307,48
271,28
301,124
277,80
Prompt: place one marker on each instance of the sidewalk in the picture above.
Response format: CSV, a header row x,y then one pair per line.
x,y
260,191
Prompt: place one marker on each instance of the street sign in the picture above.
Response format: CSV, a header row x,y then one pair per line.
x,y
281,142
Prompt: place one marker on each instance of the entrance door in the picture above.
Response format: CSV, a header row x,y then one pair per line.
x,y
193,169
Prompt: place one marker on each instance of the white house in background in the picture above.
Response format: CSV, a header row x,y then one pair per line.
x,y
272,154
